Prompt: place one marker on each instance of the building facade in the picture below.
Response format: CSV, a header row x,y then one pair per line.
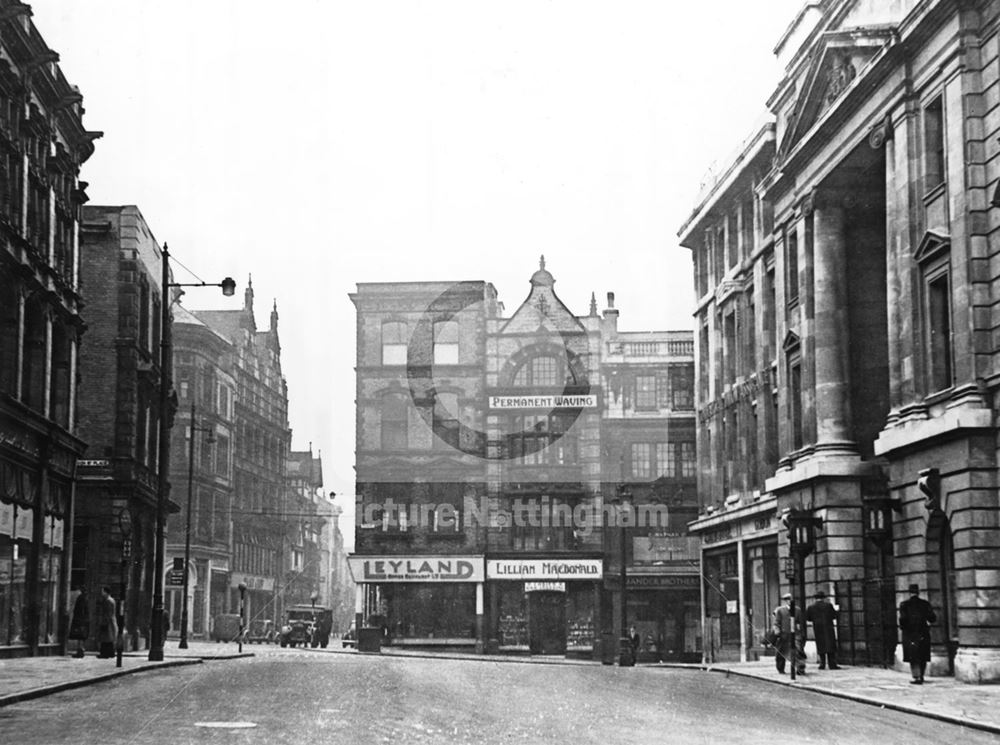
x,y
44,143
201,474
481,468
304,555
876,224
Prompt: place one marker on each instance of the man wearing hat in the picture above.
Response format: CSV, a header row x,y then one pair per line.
x,y
915,618
787,639
823,616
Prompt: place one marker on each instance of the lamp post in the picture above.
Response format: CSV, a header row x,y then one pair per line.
x,y
243,594
626,655
163,461
125,527
210,431
802,527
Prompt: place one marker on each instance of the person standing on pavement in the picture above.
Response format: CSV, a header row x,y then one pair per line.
x,y
915,618
107,626
823,617
785,629
79,626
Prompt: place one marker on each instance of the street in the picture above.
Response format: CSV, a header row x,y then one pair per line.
x,y
301,696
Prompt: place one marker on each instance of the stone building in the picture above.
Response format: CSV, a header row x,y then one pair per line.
x,y
201,476
481,471
304,554
261,444
878,216
119,414
44,144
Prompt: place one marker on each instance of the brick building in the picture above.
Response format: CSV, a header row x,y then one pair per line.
x,y
852,244
205,385
119,413
44,144
481,469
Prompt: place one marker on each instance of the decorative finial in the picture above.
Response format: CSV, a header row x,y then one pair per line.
x,y
593,304
541,262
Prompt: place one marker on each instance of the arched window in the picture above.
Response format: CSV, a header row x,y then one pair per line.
x,y
541,371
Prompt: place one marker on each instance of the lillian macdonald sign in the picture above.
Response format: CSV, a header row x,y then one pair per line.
x,y
544,569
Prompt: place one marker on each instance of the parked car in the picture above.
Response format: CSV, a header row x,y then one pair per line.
x,y
350,637
261,631
306,624
226,628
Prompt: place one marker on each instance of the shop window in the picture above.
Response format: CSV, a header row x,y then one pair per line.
x,y
394,343
934,143
446,343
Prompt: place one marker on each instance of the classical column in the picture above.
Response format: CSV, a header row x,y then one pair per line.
x,y
833,405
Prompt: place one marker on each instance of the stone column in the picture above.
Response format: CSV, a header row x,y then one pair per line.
x,y
833,405
741,574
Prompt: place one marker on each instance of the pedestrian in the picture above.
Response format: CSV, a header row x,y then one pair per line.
x,y
79,625
823,616
107,626
787,640
635,641
915,618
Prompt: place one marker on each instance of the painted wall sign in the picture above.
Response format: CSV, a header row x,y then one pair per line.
x,y
588,401
252,582
661,581
416,568
544,569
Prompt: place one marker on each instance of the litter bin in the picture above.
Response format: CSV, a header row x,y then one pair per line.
x,y
370,639
608,648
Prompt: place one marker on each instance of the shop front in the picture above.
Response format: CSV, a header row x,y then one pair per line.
x,y
422,600
544,605
740,579
665,610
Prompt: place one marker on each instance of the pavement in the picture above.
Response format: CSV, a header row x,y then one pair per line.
x,y
944,699
25,678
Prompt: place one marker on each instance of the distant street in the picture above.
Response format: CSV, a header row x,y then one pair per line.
x,y
296,696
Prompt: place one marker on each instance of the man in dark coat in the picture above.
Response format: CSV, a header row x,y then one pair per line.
x,y
79,625
107,625
822,615
915,618
788,640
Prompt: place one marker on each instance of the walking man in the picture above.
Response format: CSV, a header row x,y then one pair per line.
x,y
107,626
915,618
823,617
785,629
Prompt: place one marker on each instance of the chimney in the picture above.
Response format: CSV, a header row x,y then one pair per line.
x,y
611,315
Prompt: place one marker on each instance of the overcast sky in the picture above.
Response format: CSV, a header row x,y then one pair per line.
x,y
315,144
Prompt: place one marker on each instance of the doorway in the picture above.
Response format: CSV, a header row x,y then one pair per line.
x,y
547,622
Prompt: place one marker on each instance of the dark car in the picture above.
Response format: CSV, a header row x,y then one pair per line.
x,y
306,625
350,637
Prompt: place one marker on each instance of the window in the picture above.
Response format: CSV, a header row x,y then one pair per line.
x,y
641,460
791,266
144,315
446,426
795,399
934,143
688,462
666,463
539,372
446,343
937,283
682,387
645,392
729,333
394,422
542,439
394,343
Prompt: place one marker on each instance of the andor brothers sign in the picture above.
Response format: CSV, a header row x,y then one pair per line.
x,y
416,568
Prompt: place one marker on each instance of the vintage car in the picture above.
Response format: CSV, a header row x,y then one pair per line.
x,y
261,631
226,628
350,637
306,624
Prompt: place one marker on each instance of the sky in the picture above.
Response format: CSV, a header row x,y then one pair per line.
x,y
316,144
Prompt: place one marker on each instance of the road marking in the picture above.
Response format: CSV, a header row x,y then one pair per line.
x,y
226,725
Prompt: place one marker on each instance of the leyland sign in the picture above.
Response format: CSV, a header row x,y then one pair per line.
x,y
416,568
587,401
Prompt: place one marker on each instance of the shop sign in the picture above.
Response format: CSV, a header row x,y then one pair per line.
x,y
661,581
252,582
416,568
543,569
544,587
586,401
758,525
652,548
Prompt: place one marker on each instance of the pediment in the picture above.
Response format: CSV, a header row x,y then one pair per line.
x,y
542,312
835,65
791,342
931,245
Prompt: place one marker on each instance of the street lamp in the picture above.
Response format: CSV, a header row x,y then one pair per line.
x,y
210,431
163,462
802,527
626,655
125,527
243,592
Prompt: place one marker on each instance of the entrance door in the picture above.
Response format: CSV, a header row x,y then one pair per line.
x,y
547,622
